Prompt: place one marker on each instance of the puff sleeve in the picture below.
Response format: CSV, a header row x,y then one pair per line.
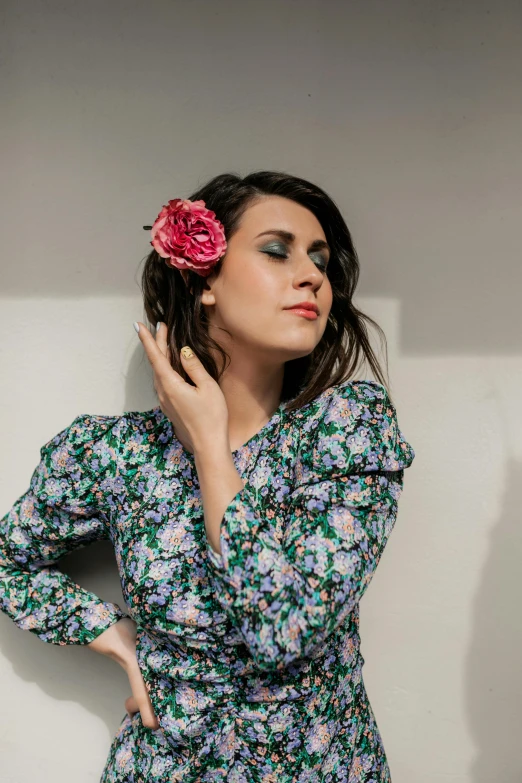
x,y
287,596
64,508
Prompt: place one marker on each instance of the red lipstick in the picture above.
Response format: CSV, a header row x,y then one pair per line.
x,y
307,309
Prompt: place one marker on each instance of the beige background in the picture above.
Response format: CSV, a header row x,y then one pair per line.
x,y
409,114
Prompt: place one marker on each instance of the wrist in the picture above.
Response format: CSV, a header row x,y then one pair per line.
x,y
212,452
123,656
118,642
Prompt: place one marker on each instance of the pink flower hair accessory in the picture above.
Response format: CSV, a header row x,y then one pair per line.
x,y
188,236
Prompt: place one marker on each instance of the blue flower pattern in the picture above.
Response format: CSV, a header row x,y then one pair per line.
x,y
251,657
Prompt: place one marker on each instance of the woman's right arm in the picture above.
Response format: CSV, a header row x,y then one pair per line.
x,y
62,510
65,508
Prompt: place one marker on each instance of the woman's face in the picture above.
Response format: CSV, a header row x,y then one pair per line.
x,y
251,296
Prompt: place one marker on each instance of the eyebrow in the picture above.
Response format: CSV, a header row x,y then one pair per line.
x,y
317,244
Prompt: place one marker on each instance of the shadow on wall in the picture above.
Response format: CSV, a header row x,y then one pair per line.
x,y
493,675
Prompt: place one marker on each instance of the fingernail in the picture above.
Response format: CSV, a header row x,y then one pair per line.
x,y
187,352
158,326
136,326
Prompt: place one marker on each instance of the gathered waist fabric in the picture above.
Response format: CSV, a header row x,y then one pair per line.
x,y
200,678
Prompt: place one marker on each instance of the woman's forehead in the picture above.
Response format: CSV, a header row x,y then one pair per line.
x,y
279,214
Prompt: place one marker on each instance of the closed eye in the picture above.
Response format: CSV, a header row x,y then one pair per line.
x,y
273,255
281,257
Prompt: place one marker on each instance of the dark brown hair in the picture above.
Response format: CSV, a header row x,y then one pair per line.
x,y
345,341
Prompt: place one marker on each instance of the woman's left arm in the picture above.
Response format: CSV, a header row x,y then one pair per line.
x,y
286,597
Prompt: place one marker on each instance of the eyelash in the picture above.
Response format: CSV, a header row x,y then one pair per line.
x,y
279,257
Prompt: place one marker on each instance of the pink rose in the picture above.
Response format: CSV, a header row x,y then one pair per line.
x,y
189,235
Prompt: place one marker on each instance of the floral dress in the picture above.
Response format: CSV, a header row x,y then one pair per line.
x,y
251,657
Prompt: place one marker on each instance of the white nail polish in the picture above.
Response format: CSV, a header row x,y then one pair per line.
x,y
158,325
136,326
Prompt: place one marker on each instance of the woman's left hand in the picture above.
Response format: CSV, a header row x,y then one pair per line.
x,y
199,413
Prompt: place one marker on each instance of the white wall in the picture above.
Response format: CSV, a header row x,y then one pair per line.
x,y
409,115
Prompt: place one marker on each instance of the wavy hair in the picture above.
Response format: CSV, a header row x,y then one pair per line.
x,y
344,344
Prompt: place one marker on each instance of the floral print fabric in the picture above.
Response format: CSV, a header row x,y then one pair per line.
x,y
251,657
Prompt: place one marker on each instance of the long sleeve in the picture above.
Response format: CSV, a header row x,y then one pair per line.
x,y
63,509
286,596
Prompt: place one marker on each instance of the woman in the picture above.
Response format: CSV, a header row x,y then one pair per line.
x,y
248,510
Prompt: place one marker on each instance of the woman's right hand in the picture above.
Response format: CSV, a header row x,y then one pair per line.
x,y
118,642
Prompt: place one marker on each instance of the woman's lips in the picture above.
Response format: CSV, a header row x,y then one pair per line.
x,y
310,314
